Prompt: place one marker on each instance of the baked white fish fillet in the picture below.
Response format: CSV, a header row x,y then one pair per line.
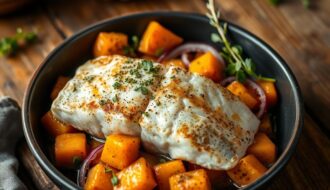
x,y
108,95
193,119
178,113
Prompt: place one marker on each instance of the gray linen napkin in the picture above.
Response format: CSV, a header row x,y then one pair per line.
x,y
10,132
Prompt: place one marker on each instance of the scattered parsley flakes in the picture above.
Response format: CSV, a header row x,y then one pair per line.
x,y
114,179
143,90
116,85
76,160
115,98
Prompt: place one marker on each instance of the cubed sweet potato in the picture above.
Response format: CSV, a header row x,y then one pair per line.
x,y
263,149
120,150
109,43
218,178
239,90
137,176
193,180
175,62
207,65
70,149
54,127
157,39
266,125
59,85
165,170
99,178
247,170
270,92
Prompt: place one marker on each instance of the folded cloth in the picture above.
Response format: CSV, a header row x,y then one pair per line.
x,y
10,132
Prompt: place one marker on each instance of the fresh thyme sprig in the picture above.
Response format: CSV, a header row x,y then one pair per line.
x,y
237,66
9,45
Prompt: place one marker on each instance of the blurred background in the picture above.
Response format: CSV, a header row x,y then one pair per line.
x,y
298,30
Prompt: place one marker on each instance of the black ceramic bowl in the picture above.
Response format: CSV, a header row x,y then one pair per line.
x,y
77,49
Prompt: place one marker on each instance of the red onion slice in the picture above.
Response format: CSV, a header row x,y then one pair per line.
x,y
262,97
190,47
256,87
85,166
185,59
97,139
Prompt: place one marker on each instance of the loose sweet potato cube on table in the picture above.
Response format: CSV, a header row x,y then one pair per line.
x,y
137,176
109,43
99,178
59,85
54,126
193,180
165,170
157,39
263,149
247,170
70,149
207,65
239,90
120,150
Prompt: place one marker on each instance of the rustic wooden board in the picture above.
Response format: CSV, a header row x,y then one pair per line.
x,y
300,36
15,71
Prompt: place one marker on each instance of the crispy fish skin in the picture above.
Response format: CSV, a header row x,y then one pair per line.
x,y
194,119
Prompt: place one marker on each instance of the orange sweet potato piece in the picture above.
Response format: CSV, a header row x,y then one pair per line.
x,y
175,62
207,65
137,176
247,170
193,180
165,170
270,92
54,127
99,178
239,90
157,39
70,149
120,150
59,85
266,125
218,178
263,148
108,43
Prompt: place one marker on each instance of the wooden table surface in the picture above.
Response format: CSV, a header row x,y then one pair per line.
x,y
300,36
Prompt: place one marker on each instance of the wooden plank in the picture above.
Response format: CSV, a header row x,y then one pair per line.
x,y
15,71
300,36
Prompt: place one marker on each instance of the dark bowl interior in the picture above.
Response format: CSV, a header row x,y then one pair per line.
x,y
77,49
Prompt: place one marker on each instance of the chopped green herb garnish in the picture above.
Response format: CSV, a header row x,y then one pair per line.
x,y
102,102
9,45
76,160
146,114
116,85
107,170
159,52
237,66
130,50
114,179
115,98
143,90
89,78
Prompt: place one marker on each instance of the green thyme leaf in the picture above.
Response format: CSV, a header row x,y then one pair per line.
x,y
115,98
107,170
274,2
233,54
143,90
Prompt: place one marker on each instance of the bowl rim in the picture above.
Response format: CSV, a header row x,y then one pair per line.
x,y
60,178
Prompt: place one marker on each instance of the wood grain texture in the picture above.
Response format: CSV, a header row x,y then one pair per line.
x,y
15,71
300,36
